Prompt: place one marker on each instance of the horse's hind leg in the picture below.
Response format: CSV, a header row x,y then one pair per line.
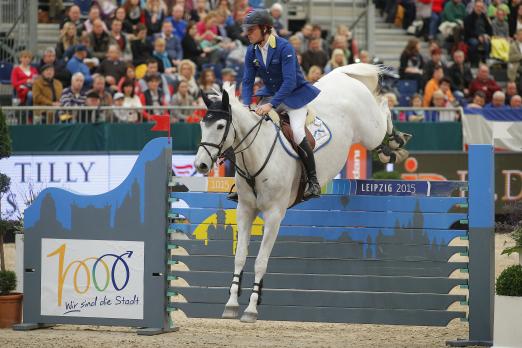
x,y
272,222
398,139
245,217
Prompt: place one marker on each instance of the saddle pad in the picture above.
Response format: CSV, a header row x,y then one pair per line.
x,y
318,129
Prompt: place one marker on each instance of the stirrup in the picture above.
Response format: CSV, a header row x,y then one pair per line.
x,y
233,196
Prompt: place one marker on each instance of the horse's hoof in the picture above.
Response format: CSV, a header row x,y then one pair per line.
x,y
383,158
394,145
399,140
249,317
401,155
230,312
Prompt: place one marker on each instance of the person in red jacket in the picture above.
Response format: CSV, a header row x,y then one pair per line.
x,y
484,83
23,75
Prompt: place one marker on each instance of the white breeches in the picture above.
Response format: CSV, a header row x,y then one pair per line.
x,y
297,119
297,122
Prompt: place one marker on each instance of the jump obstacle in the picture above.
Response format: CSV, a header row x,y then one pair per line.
x,y
367,251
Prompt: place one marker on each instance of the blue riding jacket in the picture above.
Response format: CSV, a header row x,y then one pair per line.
x,y
281,75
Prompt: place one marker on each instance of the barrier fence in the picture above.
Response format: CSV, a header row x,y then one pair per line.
x,y
27,115
381,252
37,115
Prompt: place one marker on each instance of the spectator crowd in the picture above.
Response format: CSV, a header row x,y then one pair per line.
x,y
148,54
474,54
156,53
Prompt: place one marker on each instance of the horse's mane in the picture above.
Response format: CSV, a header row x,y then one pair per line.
x,y
230,88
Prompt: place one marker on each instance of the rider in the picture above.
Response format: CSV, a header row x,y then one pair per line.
x,y
274,60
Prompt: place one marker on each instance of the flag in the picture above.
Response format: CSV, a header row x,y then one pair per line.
x,y
501,127
162,124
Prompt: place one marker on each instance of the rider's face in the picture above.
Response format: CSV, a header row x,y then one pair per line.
x,y
254,34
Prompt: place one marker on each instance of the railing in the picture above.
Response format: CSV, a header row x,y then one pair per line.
x,y
432,114
358,15
27,115
18,23
33,115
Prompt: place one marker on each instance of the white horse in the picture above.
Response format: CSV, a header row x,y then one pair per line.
x,y
348,104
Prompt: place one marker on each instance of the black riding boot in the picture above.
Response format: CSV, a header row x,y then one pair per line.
x,y
306,154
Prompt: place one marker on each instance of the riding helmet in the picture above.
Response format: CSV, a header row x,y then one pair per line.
x,y
258,17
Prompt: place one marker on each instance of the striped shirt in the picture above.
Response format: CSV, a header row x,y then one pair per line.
x,y
69,98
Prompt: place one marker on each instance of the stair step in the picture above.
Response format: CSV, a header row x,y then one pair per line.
x,y
397,31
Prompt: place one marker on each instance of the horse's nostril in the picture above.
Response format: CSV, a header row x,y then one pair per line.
x,y
203,167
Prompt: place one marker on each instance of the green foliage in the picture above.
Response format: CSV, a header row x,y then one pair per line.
x,y
517,248
7,282
509,282
5,182
511,217
383,175
5,139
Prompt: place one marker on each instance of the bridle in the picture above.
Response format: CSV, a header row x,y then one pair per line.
x,y
228,118
231,152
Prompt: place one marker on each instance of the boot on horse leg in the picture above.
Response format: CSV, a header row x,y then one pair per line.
x,y
305,152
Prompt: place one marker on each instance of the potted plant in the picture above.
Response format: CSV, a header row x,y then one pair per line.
x,y
508,301
10,303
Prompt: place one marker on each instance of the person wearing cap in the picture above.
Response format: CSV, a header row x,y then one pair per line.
x,y
274,60
76,64
60,72
46,91
117,103
93,100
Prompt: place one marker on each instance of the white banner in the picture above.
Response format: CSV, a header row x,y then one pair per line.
x,y
502,134
92,278
83,174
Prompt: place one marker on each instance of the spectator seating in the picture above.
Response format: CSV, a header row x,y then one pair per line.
x,y
5,73
407,87
84,5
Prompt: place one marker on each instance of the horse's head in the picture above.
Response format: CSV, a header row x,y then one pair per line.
x,y
216,134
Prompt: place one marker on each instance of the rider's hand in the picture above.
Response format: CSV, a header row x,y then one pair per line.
x,y
263,109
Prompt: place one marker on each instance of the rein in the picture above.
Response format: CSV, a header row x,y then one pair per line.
x,y
231,152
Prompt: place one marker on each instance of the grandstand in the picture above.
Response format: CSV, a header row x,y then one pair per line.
x,y
205,38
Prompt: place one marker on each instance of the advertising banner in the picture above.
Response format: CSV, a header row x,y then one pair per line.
x,y
83,174
454,166
92,278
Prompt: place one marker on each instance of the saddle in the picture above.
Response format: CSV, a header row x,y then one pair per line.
x,y
284,123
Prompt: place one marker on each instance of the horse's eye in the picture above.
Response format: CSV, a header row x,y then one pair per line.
x,y
220,126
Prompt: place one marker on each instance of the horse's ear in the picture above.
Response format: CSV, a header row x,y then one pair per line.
x,y
207,101
224,101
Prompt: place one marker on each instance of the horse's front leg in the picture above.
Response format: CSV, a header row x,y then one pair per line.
x,y
245,217
273,219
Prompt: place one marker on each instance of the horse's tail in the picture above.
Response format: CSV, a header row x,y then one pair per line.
x,y
368,74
